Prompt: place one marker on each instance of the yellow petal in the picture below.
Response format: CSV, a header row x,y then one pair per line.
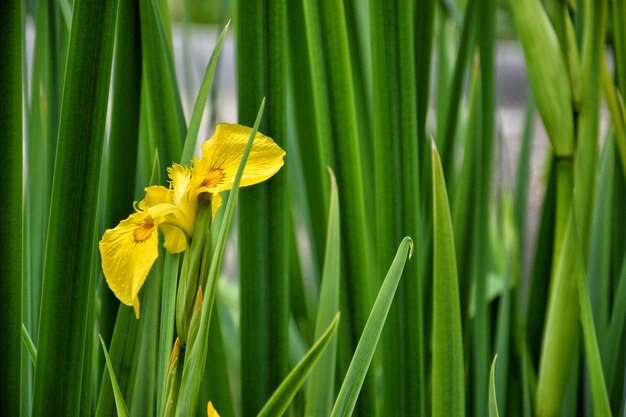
x,y
136,307
211,411
180,176
222,154
157,194
128,252
175,239
216,202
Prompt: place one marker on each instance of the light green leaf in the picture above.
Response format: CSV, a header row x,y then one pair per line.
x,y
30,346
122,410
448,387
352,383
280,400
599,395
319,397
73,211
493,403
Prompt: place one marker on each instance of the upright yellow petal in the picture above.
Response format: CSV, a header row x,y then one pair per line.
x,y
156,195
128,252
221,156
211,411
180,177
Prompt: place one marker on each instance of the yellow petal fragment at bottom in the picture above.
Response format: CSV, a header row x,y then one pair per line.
x,y
211,411
216,202
128,252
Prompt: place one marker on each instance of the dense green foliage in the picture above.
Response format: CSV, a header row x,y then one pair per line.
x,y
385,266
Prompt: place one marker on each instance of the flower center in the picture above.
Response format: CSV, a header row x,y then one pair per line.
x,y
144,231
212,178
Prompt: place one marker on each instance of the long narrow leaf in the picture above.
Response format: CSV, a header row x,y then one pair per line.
x,y
71,234
493,402
123,141
11,206
600,398
122,410
352,383
448,379
319,399
264,270
280,400
30,346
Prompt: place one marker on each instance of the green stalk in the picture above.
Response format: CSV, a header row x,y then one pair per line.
x,y
122,149
480,252
166,119
451,116
336,108
564,190
561,331
535,309
387,152
600,251
617,116
463,204
311,143
42,130
320,392
397,194
424,21
589,118
357,18
263,232
523,180
619,43
73,211
11,216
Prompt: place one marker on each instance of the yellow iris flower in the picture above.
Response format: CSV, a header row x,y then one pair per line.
x,y
129,250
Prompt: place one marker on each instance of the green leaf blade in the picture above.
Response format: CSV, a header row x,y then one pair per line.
x,y
320,393
11,206
448,392
282,397
122,410
352,383
71,233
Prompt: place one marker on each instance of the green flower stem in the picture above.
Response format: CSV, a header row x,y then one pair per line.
x,y
191,274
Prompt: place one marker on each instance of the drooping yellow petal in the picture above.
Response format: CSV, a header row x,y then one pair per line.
x,y
175,239
128,252
211,410
221,156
